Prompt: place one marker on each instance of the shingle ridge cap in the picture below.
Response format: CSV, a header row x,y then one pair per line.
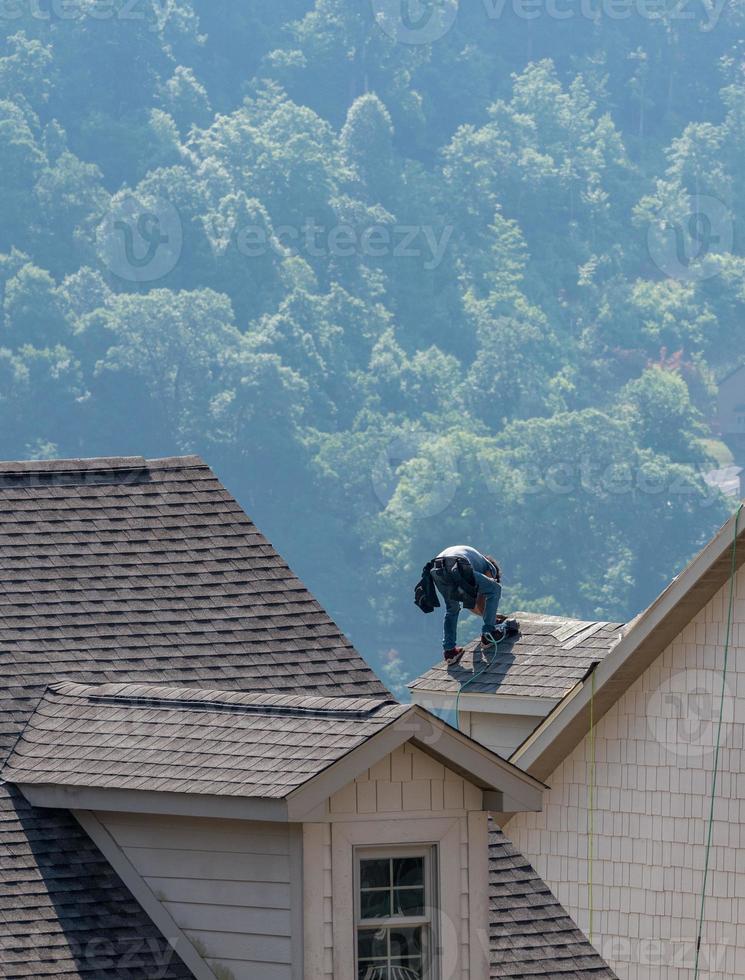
x,y
189,461
73,464
84,464
200,699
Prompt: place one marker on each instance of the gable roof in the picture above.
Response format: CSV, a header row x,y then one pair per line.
x,y
644,640
550,655
127,569
126,746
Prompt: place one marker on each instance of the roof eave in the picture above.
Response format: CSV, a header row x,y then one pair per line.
x,y
154,802
495,704
504,786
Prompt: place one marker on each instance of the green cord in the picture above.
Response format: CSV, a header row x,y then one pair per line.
x,y
475,677
733,575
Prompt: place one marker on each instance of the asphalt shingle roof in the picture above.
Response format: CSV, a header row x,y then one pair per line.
x,y
149,567
117,570
64,912
531,935
146,737
546,660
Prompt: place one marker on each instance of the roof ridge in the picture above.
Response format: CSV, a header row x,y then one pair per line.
x,y
73,465
84,464
225,701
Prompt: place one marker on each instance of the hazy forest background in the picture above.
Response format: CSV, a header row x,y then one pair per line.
x,y
405,276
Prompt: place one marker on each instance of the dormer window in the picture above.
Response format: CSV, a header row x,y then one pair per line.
x,y
395,921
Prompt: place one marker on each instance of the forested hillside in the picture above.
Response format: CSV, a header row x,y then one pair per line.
x,y
404,278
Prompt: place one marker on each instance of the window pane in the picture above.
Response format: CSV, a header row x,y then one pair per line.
x,y
375,905
375,873
408,871
408,901
406,942
373,971
407,969
372,943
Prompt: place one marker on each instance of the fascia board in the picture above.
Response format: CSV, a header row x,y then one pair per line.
x,y
461,754
141,801
476,762
302,801
492,704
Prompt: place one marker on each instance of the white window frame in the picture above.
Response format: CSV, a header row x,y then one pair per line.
x,y
457,950
427,922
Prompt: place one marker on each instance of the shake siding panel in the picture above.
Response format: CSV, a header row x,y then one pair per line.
x,y
655,754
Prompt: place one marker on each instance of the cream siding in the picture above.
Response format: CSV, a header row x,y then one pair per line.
x,y
227,884
407,797
654,758
502,733
275,901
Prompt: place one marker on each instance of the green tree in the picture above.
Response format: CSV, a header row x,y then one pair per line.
x,y
33,309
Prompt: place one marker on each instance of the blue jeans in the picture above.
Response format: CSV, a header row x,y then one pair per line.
x,y
489,588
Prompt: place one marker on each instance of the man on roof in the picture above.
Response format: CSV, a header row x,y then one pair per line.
x,y
463,577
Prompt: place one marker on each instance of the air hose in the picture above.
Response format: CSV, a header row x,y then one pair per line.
x,y
475,677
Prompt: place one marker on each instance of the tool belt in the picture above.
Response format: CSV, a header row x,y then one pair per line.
x,y
460,579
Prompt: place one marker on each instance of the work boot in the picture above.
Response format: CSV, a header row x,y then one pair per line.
x,y
454,656
491,637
